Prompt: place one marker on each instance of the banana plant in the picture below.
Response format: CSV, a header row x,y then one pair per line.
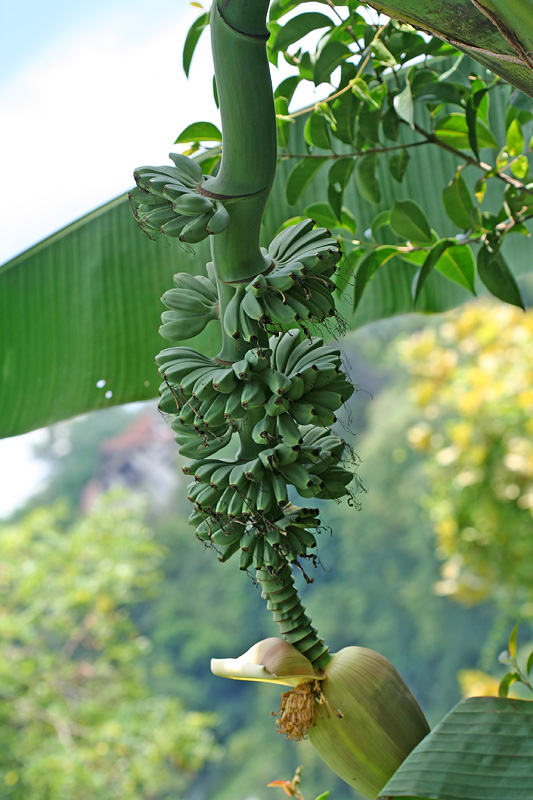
x,y
256,417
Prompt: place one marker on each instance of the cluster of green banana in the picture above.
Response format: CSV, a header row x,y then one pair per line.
x,y
168,200
193,303
297,289
296,382
231,498
235,509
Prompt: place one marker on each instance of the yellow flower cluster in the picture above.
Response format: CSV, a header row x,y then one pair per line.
x,y
472,381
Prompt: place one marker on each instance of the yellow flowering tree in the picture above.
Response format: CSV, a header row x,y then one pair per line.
x,y
472,378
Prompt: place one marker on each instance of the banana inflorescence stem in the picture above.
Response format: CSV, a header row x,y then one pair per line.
x,y
288,610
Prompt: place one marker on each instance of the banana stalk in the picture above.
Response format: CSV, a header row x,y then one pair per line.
x,y
277,388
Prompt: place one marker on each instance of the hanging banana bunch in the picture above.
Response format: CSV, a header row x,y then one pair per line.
x,y
256,419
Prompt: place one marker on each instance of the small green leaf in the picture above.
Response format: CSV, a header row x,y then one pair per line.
x,y
409,221
441,93
324,795
391,124
316,131
458,203
497,277
333,54
368,265
298,27
472,107
199,132
398,164
368,121
287,87
365,177
191,40
514,138
323,215
403,105
457,264
511,646
529,665
283,126
338,177
429,263
452,129
301,176
380,221
344,109
506,682
383,54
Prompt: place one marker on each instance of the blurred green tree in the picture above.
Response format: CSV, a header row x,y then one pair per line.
x,y
77,719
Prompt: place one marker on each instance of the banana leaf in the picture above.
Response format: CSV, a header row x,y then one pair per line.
x,y
79,312
496,33
482,750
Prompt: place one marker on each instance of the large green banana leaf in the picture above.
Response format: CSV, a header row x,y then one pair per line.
x,y
82,307
482,750
496,33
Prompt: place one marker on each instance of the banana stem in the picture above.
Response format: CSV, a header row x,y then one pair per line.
x,y
249,143
289,612
244,181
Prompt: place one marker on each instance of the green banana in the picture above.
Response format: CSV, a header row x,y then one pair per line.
x,y
242,369
264,431
231,314
330,400
219,477
247,327
199,284
224,380
195,230
233,408
279,487
252,395
304,348
237,478
277,405
174,227
277,382
251,306
220,219
193,204
213,413
254,470
286,344
288,430
187,168
246,559
258,358
287,237
177,328
279,311
227,552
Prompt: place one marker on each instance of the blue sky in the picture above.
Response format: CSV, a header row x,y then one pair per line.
x,y
87,93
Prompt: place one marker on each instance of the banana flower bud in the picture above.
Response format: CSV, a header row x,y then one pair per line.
x,y
357,712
